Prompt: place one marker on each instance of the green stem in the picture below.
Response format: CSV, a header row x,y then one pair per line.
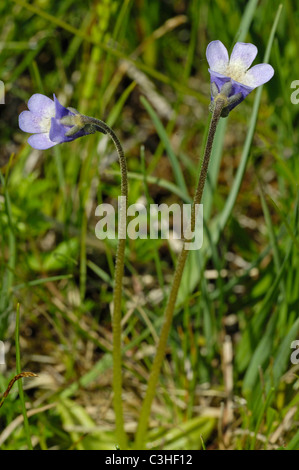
x,y
169,310
117,292
18,368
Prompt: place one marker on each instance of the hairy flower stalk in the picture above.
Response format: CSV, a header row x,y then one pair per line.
x,y
118,276
52,124
220,102
79,122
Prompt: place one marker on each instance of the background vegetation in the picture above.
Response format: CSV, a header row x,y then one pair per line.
x,y
227,381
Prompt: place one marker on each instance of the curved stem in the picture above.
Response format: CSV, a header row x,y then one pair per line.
x,y
117,292
169,310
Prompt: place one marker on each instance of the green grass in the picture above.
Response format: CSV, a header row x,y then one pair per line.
x,y
141,67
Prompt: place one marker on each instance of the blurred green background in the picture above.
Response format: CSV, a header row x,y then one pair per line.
x,y
227,381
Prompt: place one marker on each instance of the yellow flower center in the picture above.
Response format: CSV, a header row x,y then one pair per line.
x,y
238,72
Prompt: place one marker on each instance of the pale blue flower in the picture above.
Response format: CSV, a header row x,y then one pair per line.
x,y
235,69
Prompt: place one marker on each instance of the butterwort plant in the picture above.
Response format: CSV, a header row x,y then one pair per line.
x,y
231,81
51,124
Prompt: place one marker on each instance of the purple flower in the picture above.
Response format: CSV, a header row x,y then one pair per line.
x,y
235,69
45,121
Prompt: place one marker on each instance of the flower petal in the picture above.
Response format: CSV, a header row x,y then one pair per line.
x,y
237,87
219,79
241,88
41,105
243,54
217,56
40,141
29,122
61,111
58,130
259,74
